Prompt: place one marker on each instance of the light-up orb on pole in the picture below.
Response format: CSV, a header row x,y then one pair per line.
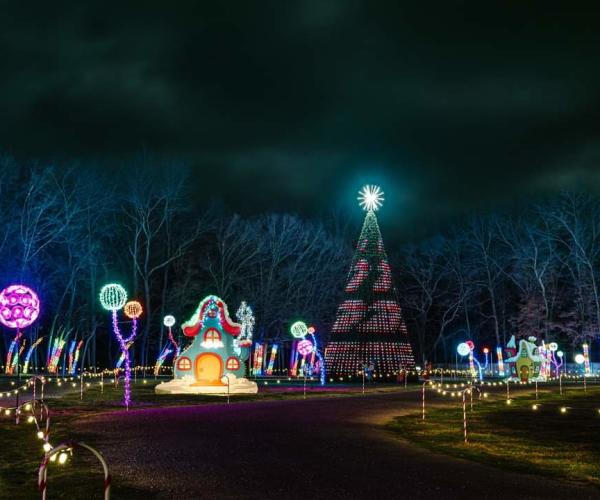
x,y
114,297
579,359
463,349
133,309
305,347
169,321
370,198
299,329
19,306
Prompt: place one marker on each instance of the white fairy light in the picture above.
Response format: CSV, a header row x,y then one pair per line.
x,y
370,198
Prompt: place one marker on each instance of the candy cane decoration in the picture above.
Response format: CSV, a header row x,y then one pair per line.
x,y
66,447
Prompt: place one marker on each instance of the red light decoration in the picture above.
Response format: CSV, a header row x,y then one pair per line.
x,y
369,327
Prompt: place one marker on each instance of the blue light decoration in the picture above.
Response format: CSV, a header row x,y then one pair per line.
x,y
300,331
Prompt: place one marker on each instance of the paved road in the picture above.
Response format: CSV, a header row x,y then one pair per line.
x,y
319,448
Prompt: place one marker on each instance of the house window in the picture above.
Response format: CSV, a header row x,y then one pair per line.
x,y
233,364
212,335
184,364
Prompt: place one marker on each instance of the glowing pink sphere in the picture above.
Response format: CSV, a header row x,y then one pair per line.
x,y
19,306
305,347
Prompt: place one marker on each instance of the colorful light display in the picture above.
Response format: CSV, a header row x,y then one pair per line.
x,y
161,359
246,318
500,361
271,363
369,327
12,351
305,347
133,309
114,297
259,352
169,321
586,360
29,353
19,306
299,329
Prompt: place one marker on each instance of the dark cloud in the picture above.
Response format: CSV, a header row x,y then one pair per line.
x,y
452,106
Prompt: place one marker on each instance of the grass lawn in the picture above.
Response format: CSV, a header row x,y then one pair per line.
x,y
517,437
81,477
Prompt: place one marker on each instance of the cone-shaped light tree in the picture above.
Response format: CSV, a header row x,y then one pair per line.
x,y
369,327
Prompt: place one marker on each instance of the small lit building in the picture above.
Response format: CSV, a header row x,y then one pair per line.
x,y
214,361
525,364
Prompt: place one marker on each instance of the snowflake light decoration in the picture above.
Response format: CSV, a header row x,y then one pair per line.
x,y
370,198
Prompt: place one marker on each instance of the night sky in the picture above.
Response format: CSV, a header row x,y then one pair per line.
x,y
453,107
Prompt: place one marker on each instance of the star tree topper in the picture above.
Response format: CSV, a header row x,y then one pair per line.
x,y
370,198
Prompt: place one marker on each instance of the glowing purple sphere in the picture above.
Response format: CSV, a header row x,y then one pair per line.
x,y
19,306
305,347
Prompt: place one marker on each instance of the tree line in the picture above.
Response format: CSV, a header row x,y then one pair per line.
x,y
67,231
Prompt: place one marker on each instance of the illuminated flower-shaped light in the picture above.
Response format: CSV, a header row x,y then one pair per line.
x,y
579,359
113,297
553,346
133,309
370,198
19,306
299,329
169,320
305,347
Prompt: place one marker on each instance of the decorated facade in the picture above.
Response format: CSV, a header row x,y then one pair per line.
x,y
524,360
214,363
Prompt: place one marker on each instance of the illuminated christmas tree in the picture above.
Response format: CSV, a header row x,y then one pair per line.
x,y
369,328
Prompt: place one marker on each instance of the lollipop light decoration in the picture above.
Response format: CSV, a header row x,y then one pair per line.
x,y
113,298
169,321
19,308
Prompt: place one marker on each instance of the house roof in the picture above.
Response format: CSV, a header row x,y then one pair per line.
x,y
530,346
192,327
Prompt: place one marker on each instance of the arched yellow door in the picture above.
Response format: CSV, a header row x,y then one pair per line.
x,y
524,373
209,367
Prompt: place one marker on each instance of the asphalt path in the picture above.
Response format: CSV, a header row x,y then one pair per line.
x,y
316,448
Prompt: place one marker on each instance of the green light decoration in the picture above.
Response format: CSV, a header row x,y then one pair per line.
x,y
299,329
113,297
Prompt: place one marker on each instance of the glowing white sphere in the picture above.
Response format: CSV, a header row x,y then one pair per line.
x,y
463,349
553,346
560,354
169,320
370,198
579,359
